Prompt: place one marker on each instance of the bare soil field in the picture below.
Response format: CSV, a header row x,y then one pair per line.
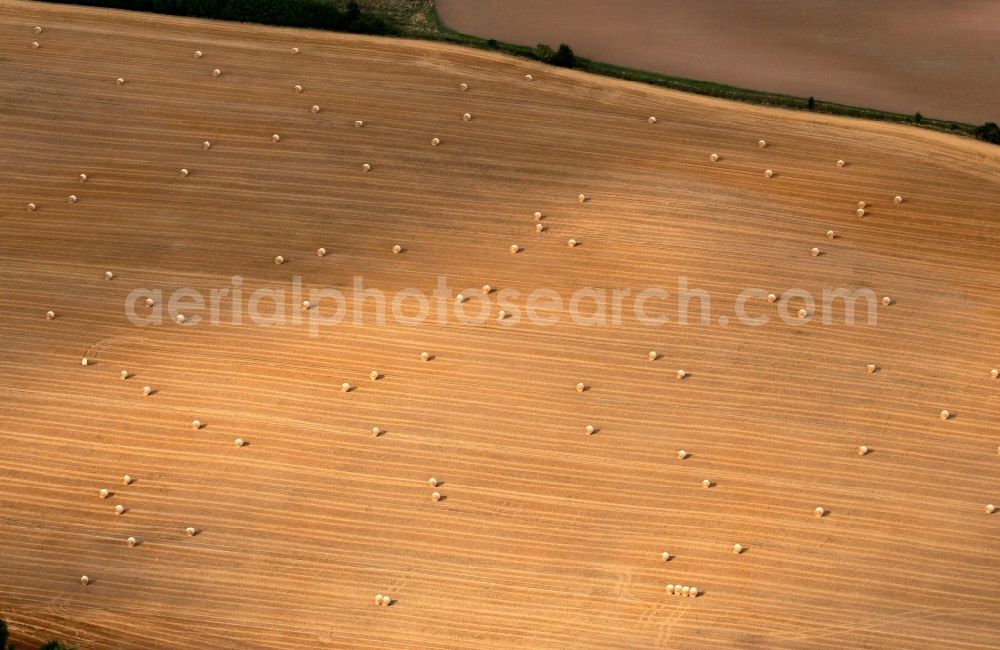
x,y
546,537
903,56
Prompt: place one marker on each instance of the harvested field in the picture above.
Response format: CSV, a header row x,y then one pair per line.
x,y
544,536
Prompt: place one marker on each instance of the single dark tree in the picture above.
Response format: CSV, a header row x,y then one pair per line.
x,y
811,104
918,118
564,57
353,11
4,634
55,645
988,132
543,53
493,44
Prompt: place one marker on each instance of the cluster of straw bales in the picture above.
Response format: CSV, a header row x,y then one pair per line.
x,y
382,600
682,590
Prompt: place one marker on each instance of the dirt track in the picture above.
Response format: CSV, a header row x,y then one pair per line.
x,y
547,537
903,56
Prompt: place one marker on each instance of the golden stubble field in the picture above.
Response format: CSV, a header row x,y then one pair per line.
x,y
546,537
